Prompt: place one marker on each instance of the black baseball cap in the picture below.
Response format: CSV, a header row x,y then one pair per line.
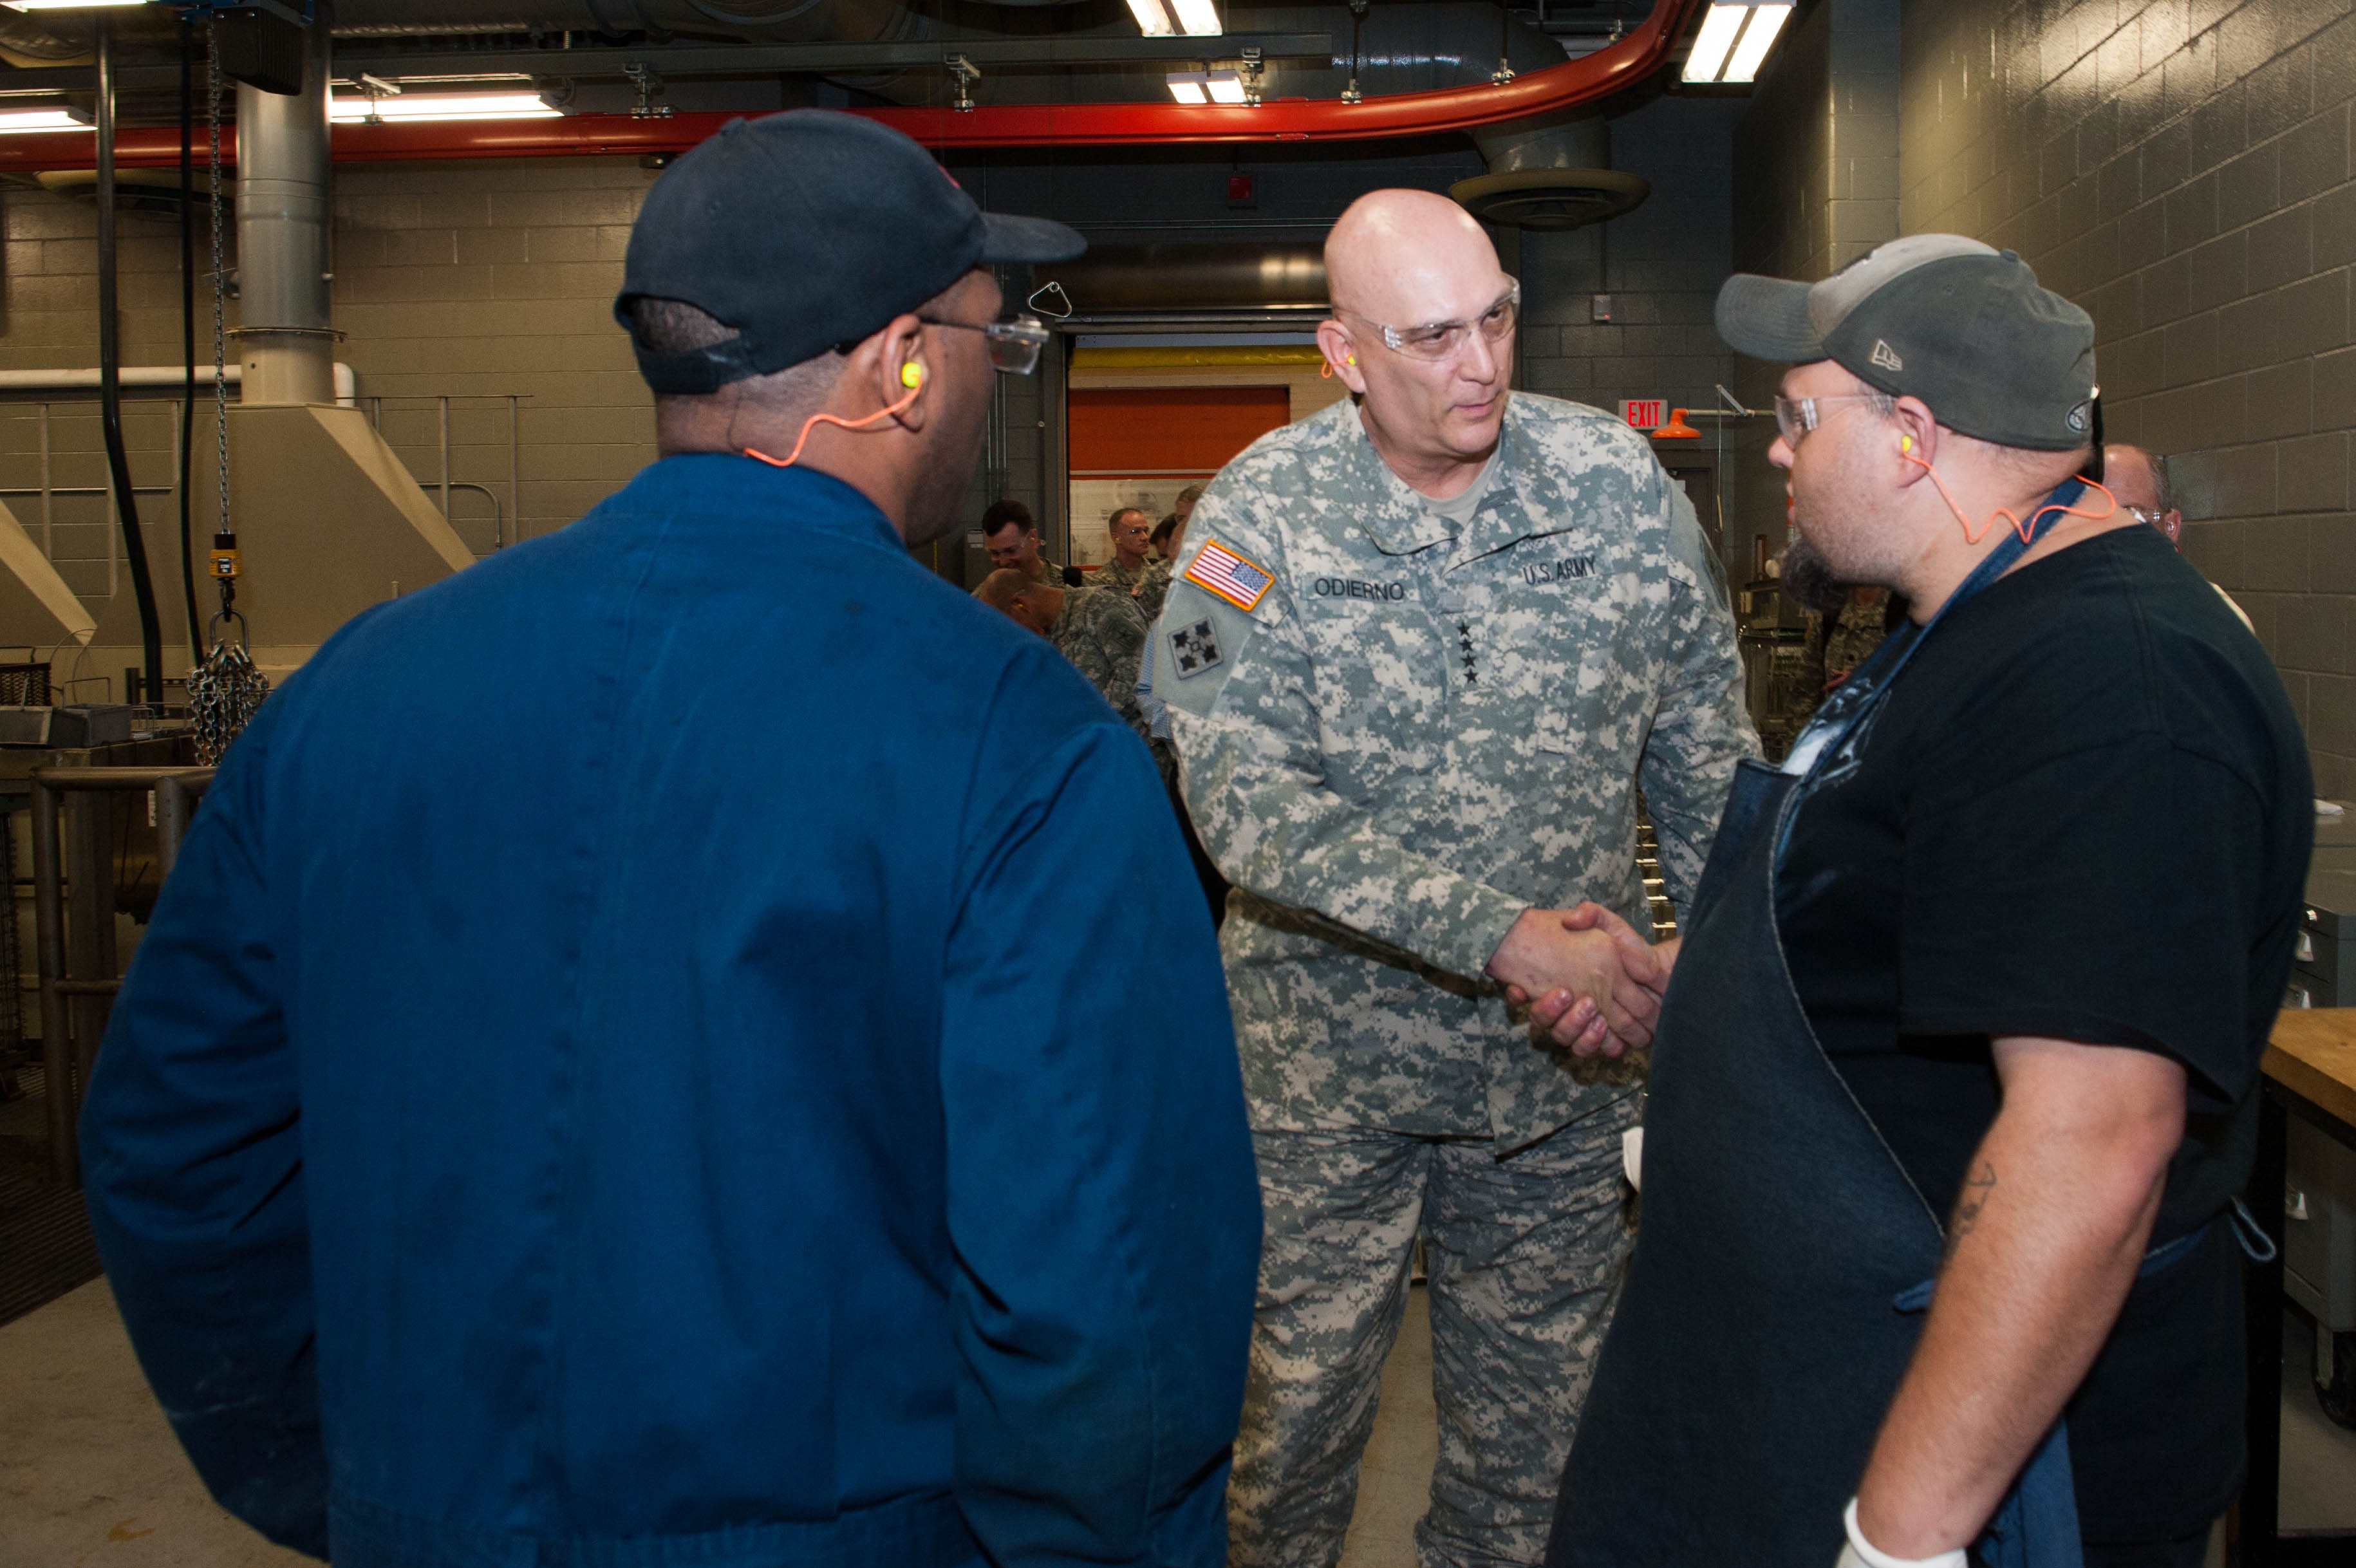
x,y
1962,325
803,230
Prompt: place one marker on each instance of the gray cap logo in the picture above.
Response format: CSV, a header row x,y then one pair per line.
x,y
2078,417
1885,355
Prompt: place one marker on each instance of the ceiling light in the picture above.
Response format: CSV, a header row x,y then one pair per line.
x,y
1226,87
68,4
1198,18
1766,21
1188,87
442,106
1151,19
18,121
1717,36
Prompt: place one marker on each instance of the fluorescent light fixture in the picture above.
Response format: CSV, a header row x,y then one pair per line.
x,y
1198,18
69,4
1151,19
16,121
1717,36
1766,22
1188,87
1226,87
411,106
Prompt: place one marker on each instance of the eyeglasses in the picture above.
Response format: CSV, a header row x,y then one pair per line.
x,y
1015,342
1444,339
1796,417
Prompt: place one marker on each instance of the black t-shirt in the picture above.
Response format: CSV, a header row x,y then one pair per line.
x,y
2084,813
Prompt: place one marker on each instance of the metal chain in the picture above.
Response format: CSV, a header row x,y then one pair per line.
x,y
226,688
220,273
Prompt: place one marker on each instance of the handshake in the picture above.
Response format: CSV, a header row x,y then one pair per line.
x,y
1591,984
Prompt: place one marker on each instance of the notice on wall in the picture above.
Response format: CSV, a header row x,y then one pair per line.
x,y
1644,413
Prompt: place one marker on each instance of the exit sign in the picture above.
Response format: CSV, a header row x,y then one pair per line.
x,y
1644,413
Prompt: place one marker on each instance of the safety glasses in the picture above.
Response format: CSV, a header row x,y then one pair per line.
x,y
1445,339
1796,417
1015,341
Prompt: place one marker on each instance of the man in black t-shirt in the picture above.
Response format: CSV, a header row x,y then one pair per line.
x,y
2029,892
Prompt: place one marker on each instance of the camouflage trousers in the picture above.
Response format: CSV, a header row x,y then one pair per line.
x,y
1524,1256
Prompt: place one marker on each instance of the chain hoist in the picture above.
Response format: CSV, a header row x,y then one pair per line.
x,y
226,688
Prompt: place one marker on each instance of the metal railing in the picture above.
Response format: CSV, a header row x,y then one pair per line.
x,y
69,1047
500,525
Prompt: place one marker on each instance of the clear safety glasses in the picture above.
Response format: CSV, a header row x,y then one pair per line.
x,y
1796,417
1015,341
1444,339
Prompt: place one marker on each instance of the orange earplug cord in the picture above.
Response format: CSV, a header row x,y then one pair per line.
x,y
2025,527
815,421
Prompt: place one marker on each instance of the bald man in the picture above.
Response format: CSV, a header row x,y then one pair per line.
x,y
1421,649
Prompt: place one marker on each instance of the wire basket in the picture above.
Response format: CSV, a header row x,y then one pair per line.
x,y
23,686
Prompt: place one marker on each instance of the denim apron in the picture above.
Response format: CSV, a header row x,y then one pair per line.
x,y
1784,1259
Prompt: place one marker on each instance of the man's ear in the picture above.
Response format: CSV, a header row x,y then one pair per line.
x,y
1341,353
1914,430
902,371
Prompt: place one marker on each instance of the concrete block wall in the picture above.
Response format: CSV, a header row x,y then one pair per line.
x,y
1661,264
2182,169
1817,183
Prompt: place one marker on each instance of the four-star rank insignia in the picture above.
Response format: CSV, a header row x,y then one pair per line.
x,y
1194,648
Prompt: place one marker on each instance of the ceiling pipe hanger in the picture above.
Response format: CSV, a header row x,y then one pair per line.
x,y
1614,68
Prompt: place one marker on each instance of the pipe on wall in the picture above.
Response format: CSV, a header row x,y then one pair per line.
x,y
345,383
1608,70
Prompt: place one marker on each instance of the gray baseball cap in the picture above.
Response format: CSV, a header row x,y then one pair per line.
x,y
1962,325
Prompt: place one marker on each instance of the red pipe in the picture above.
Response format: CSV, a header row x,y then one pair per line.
x,y
1608,70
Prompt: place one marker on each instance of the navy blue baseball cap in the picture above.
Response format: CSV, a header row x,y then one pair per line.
x,y
804,231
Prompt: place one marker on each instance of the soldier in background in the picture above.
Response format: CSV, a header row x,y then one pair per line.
x,y
1101,632
1131,557
1423,648
1013,540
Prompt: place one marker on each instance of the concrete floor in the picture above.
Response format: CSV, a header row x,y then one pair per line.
x,y
91,1477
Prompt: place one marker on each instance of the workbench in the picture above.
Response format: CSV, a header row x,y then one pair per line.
x,y
2310,1072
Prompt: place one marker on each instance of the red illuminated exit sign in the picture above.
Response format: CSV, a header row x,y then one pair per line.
x,y
1644,413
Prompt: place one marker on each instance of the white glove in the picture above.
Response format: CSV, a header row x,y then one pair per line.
x,y
1632,1157
1862,1553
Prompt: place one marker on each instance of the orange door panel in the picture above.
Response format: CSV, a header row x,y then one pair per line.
x,y
1169,430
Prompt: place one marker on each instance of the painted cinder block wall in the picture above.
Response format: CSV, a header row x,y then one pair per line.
x,y
2180,169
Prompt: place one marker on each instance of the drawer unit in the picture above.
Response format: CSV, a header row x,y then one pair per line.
x,y
2325,947
2319,1227
2304,990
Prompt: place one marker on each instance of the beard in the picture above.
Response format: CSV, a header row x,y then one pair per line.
x,y
1810,579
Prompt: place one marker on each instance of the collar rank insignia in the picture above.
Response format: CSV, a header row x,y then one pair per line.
x,y
1194,648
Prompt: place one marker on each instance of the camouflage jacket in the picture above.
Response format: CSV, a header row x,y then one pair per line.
x,y
1103,633
1415,731
1146,584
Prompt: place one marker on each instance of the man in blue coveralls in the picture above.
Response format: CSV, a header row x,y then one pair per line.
x,y
571,1108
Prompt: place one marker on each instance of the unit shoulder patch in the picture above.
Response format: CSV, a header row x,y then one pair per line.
x,y
1193,649
1220,572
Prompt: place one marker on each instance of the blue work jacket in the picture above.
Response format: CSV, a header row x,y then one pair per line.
x,y
691,1042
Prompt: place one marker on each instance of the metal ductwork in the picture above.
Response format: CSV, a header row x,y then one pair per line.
x,y
1132,279
1549,174
748,21
287,338
25,43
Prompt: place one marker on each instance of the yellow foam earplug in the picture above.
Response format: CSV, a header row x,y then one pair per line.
x,y
1353,359
911,373
1906,444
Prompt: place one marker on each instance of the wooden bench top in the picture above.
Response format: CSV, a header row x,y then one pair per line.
x,y
2313,1053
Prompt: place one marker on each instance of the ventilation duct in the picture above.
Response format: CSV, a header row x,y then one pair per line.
x,y
1130,280
748,21
1549,175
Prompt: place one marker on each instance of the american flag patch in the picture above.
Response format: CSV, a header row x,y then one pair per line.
x,y
1220,571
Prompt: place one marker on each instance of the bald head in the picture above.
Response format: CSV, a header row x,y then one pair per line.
x,y
1406,257
1423,334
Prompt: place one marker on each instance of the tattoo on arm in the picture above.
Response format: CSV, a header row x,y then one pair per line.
x,y
1977,1186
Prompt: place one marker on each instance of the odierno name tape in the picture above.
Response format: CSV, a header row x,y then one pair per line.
x,y
1220,571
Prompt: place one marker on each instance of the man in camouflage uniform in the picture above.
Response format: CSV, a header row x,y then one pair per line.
x,y
1011,537
1133,569
1422,648
1101,632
